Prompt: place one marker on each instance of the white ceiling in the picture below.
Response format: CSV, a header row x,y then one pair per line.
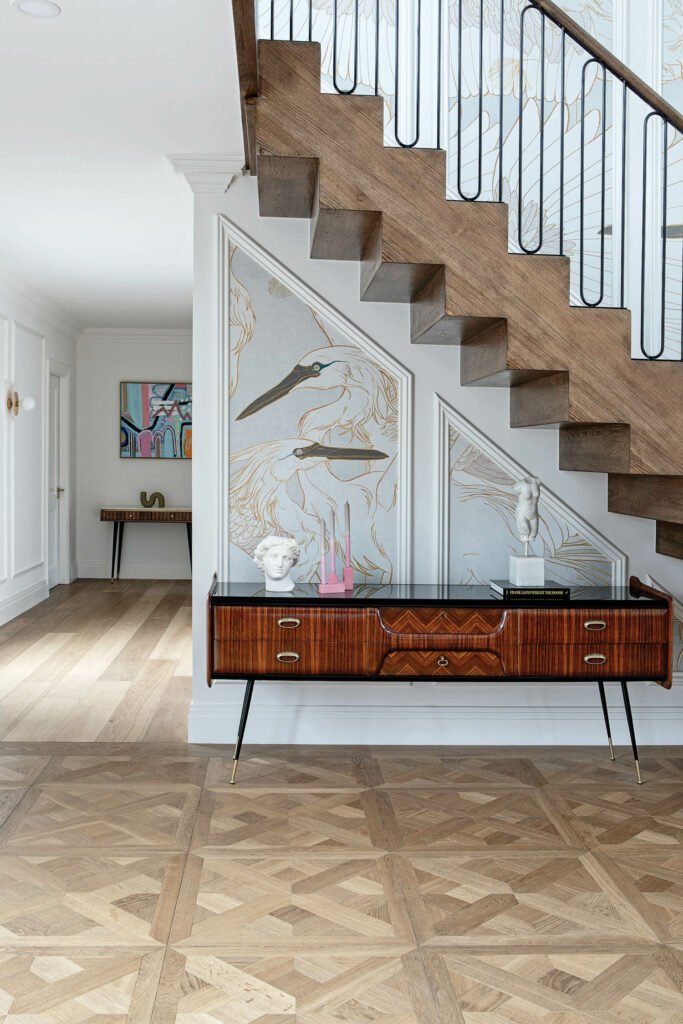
x,y
91,212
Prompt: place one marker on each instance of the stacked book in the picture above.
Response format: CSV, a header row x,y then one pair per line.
x,y
550,591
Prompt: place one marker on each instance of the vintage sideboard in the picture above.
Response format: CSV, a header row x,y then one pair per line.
x,y
421,632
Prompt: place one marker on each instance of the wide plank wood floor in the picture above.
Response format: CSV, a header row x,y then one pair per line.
x,y
331,885
98,661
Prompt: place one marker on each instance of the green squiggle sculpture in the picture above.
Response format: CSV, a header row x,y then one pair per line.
x,y
156,498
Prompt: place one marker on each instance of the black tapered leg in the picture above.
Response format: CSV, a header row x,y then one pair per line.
x,y
603,701
631,729
118,557
242,726
114,545
189,541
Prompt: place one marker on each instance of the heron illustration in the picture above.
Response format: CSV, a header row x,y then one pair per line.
x,y
285,487
359,407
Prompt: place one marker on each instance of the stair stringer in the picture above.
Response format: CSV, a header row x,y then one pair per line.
x,y
408,253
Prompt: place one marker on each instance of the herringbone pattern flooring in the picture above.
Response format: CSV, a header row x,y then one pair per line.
x,y
332,886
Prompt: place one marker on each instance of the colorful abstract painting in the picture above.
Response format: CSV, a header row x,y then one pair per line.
x,y
156,421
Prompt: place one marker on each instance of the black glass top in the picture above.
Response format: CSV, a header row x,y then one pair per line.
x,y
424,594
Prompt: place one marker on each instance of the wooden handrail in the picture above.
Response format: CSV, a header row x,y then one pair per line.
x,y
612,63
247,70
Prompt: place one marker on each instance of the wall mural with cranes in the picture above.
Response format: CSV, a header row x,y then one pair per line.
x,y
478,528
314,421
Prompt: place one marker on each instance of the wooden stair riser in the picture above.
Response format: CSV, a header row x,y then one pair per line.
x,y
595,447
670,539
654,497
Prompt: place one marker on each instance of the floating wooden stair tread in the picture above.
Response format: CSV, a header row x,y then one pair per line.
x,y
323,156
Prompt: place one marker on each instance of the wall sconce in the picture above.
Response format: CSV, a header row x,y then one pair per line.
x,y
14,403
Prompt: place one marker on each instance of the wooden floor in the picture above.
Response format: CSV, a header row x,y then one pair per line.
x,y
98,661
331,885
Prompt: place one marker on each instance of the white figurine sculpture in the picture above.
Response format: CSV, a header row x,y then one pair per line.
x,y
526,513
527,571
276,556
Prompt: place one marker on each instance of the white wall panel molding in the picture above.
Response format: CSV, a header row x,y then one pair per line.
x,y
447,418
135,336
231,233
207,172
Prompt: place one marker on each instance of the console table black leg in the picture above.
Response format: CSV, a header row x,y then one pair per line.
x,y
118,557
114,545
603,701
189,541
632,731
240,732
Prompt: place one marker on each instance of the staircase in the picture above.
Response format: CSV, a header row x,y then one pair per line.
x,y
321,156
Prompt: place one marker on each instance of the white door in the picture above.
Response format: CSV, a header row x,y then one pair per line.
x,y
53,483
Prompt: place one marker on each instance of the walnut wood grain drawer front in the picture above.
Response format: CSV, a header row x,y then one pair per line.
x,y
627,661
600,626
451,621
288,624
288,657
442,663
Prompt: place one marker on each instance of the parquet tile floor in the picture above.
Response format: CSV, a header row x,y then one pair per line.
x,y
335,886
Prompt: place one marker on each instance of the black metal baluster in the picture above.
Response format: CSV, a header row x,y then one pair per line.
x,y
643,251
408,145
501,88
563,93
376,47
603,169
520,197
310,21
665,203
291,20
480,81
623,194
272,19
345,92
438,79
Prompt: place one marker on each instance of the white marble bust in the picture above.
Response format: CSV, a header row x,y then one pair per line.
x,y
276,556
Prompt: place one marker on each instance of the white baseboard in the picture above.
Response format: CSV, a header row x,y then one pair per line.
x,y
135,570
21,602
658,721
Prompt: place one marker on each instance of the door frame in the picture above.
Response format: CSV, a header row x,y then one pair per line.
x,y
63,373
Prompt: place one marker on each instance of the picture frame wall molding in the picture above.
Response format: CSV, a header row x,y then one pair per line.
x,y
230,233
447,417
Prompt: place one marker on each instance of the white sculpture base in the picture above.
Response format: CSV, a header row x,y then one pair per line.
x,y
527,572
279,586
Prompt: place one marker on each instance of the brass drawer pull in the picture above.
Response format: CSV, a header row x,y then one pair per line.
x,y
595,624
442,662
287,656
289,623
594,659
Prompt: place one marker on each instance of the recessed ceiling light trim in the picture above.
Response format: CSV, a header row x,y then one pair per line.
x,y
37,8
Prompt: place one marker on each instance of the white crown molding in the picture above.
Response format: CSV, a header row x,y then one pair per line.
x,y
230,232
207,172
136,336
35,302
446,416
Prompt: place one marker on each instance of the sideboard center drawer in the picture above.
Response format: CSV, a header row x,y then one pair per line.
x,y
449,621
288,623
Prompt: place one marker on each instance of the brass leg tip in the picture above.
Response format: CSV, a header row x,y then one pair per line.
x,y
611,751
638,775
235,765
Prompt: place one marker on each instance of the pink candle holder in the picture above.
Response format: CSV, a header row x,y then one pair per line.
x,y
330,583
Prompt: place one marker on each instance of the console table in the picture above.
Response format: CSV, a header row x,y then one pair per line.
x,y
426,632
119,516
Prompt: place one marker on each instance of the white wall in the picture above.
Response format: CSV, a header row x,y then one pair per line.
x,y
393,713
33,336
105,358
